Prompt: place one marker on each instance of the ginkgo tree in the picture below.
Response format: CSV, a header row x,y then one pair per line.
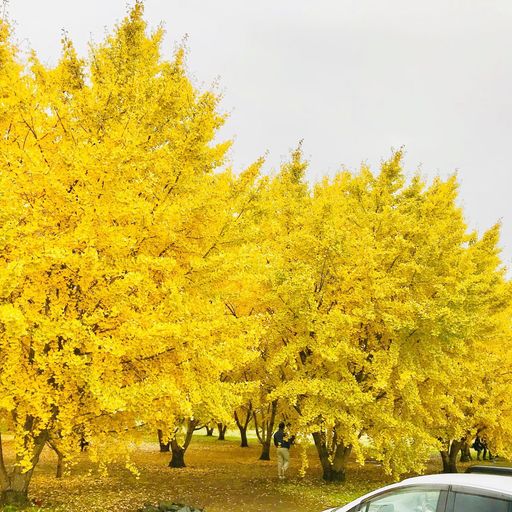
x,y
271,217
109,207
371,309
471,391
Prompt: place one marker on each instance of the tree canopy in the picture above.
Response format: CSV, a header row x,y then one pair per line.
x,y
143,281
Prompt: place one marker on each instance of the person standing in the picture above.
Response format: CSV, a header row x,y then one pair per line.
x,y
485,448
478,446
282,442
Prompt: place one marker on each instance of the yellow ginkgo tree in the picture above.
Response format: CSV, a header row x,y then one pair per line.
x,y
111,199
375,299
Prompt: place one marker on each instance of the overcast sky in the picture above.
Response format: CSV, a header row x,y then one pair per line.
x,y
353,78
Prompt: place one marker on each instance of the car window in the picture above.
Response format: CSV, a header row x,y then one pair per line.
x,y
414,500
474,503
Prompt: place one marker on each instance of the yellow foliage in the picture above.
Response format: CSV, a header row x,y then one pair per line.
x,y
141,282
113,233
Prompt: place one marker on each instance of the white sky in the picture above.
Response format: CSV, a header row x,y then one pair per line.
x,y
353,78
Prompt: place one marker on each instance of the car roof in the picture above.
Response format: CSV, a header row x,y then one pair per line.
x,y
500,483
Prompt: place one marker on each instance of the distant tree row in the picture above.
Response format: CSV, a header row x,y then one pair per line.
x,y
144,282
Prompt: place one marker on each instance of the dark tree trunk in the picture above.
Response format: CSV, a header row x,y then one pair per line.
x,y
449,456
60,459
444,460
265,428
178,455
60,466
335,467
164,447
14,485
243,437
265,451
465,452
331,475
453,454
242,426
15,498
209,431
222,431
178,451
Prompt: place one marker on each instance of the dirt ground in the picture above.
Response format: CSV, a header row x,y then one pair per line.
x,y
220,477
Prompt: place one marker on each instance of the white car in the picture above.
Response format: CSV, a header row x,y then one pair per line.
x,y
483,489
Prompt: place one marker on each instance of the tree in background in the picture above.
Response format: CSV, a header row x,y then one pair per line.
x,y
380,294
473,402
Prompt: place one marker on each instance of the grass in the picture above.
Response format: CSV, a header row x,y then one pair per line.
x,y
220,476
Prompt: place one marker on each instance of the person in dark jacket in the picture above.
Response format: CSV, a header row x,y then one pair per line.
x,y
478,446
282,441
486,449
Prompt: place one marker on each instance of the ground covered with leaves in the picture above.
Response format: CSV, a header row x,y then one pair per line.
x,y
220,477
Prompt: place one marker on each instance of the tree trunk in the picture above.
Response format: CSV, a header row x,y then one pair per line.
x,y
242,426
465,452
264,430
449,456
265,451
164,447
209,431
222,431
14,485
334,469
60,466
444,460
178,455
178,451
15,498
243,437
60,459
